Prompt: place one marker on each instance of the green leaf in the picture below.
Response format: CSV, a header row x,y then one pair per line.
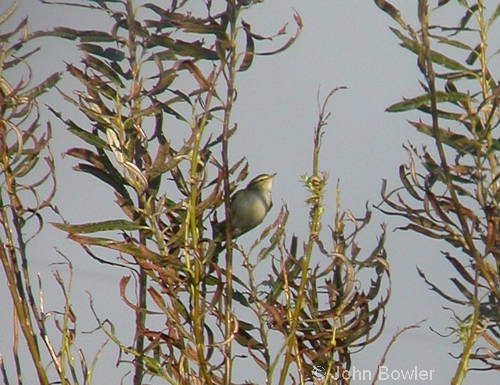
x,y
468,15
158,299
289,42
442,2
183,48
74,34
50,82
494,16
78,74
108,53
422,230
169,110
459,142
9,12
239,297
90,138
165,79
86,154
181,309
424,100
460,268
466,293
436,57
438,290
19,58
446,62
406,183
108,176
127,247
94,227
454,43
441,113
250,48
104,69
495,147
471,59
391,10
245,339
165,55
185,22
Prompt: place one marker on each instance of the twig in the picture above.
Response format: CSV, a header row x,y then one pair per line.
x,y
391,342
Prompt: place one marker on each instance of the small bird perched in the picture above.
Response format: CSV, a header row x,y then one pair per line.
x,y
249,206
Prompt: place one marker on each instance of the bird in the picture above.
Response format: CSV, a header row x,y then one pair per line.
x,y
249,206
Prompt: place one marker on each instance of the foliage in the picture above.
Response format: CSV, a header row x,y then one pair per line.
x,y
454,195
322,323
26,170
135,95
156,72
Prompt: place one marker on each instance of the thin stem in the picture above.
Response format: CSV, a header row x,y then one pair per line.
x,y
431,82
314,227
140,312
9,259
229,66
195,288
480,263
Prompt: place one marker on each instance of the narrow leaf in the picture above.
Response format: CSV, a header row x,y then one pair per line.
x,y
250,49
88,137
108,53
494,16
391,10
467,294
9,12
436,57
290,41
94,227
460,268
466,18
86,154
106,177
195,71
471,59
422,230
459,142
424,99
453,43
442,2
438,290
407,185
50,82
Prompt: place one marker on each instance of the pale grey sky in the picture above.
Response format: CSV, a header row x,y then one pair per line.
x,y
344,42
